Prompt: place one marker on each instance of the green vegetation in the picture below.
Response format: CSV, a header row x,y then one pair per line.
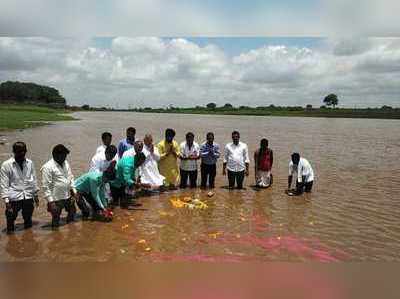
x,y
385,112
25,116
30,93
331,100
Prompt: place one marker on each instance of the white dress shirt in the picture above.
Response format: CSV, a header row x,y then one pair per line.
x,y
17,184
99,162
302,169
189,165
57,181
129,152
101,149
236,156
148,171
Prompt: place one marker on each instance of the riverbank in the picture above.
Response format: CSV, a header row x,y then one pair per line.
x,y
26,116
373,113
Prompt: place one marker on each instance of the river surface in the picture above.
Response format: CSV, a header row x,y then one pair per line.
x,y
352,214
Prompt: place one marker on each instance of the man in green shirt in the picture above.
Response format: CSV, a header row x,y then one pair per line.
x,y
91,195
127,177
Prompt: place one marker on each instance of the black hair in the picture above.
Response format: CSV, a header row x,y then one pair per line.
x,y
131,129
112,149
189,134
170,132
235,132
210,134
264,140
60,149
19,145
140,157
105,135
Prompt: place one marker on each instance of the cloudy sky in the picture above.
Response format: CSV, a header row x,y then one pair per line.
x,y
351,48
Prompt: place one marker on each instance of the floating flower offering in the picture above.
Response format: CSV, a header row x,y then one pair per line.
x,y
189,203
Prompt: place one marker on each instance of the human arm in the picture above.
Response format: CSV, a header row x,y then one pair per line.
x,y
226,157
162,151
246,160
35,186
154,152
4,186
204,151
47,184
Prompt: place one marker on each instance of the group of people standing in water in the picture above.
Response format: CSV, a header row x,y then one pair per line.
x,y
117,175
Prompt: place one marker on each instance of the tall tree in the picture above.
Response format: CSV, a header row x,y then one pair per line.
x,y
211,105
331,100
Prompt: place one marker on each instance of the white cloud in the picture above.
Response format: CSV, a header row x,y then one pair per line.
x,y
150,71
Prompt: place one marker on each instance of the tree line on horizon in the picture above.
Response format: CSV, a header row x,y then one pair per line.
x,y
30,93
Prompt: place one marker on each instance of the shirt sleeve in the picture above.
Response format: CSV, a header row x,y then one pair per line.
x,y
203,150
161,150
177,148
120,149
128,174
226,154
97,192
290,168
197,148
300,172
181,150
156,154
47,183
246,154
217,151
71,178
4,183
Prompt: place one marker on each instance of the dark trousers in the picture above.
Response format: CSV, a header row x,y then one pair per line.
x,y
208,171
68,205
304,187
191,175
236,176
27,208
117,194
85,203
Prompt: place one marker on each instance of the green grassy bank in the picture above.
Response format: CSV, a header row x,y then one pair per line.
x,y
26,116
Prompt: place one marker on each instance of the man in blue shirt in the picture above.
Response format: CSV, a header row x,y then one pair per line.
x,y
209,153
128,142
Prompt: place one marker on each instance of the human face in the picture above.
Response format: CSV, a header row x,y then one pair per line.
x,y
107,141
235,138
19,154
210,139
189,140
169,138
60,158
130,135
148,140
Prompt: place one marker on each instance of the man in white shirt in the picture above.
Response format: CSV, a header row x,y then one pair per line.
x,y
189,154
57,184
106,138
236,161
18,186
137,148
305,174
148,171
101,161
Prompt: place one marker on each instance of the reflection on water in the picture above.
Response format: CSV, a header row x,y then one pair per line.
x,y
352,213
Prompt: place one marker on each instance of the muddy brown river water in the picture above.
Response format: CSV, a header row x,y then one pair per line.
x,y
352,215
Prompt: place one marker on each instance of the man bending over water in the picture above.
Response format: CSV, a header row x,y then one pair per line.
x,y
305,174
